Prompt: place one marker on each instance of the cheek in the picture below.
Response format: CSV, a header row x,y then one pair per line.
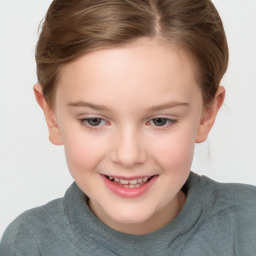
x,y
176,151
83,153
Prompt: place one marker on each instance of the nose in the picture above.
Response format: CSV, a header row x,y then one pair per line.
x,y
128,149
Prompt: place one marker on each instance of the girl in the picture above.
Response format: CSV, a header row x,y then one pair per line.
x,y
128,87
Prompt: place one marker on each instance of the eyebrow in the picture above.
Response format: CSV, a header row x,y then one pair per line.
x,y
89,105
168,105
104,108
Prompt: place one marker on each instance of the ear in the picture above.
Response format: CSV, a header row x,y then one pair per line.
x,y
209,115
54,133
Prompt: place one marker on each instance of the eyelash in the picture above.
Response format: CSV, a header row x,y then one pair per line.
x,y
85,123
170,122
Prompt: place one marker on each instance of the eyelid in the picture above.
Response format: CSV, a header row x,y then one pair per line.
x,y
170,122
84,122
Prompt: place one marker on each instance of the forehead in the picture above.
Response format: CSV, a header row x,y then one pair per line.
x,y
143,70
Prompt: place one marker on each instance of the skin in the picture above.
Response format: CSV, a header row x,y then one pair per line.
x,y
130,83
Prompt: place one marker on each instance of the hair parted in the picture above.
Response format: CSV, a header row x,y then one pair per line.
x,y
73,28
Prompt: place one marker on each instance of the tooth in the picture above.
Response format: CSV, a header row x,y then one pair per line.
x,y
116,179
111,178
145,179
124,182
140,180
137,185
131,186
133,182
126,186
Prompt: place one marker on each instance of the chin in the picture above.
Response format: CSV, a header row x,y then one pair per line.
x,y
131,215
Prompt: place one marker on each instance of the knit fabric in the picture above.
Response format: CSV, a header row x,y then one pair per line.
x,y
217,219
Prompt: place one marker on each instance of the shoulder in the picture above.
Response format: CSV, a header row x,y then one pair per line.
x,y
225,221
230,194
41,217
33,226
229,211
233,200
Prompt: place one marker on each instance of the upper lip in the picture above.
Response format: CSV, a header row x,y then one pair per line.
x,y
129,178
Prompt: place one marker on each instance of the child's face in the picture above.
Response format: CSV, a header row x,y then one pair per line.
x,y
129,113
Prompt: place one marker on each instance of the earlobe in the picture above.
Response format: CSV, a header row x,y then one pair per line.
x,y
54,133
209,115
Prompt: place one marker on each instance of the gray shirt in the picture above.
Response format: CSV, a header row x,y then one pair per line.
x,y
217,219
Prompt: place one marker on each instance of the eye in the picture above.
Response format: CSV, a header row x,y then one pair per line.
x,y
162,122
93,122
159,121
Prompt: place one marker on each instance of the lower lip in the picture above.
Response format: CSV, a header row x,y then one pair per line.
x,y
129,192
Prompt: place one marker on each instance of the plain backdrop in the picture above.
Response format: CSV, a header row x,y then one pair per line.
x,y
33,172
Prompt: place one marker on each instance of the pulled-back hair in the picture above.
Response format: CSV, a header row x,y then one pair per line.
x,y
73,28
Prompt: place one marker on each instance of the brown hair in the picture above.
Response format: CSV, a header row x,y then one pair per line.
x,y
74,27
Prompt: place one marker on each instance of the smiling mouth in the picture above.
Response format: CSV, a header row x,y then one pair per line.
x,y
134,183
